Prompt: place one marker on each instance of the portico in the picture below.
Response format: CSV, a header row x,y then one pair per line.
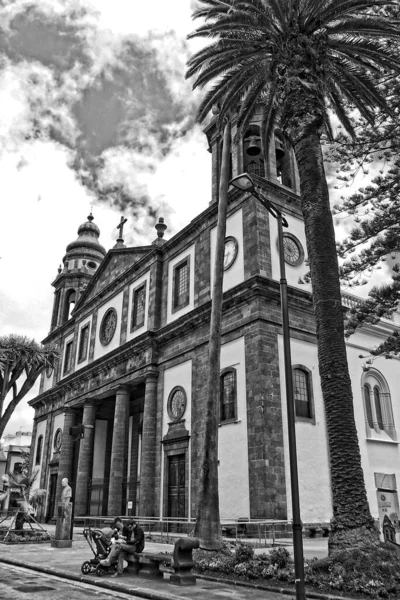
x,y
110,465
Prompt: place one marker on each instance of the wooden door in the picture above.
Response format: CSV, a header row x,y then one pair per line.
x,y
176,486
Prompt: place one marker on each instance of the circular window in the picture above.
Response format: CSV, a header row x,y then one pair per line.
x,y
230,252
91,264
292,250
108,326
57,440
176,404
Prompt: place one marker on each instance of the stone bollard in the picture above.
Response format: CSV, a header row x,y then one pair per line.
x,y
183,561
63,526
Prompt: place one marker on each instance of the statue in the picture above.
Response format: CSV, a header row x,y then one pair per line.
x,y
66,492
63,533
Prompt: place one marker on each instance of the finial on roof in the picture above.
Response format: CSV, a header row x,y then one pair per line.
x,y
160,227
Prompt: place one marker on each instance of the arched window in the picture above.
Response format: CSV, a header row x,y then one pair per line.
x,y
378,405
228,396
69,305
253,157
284,161
367,401
302,391
39,450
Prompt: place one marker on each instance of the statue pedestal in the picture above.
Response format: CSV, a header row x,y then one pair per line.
x,y
63,527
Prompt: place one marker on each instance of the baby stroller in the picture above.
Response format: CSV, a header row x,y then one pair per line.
x,y
100,546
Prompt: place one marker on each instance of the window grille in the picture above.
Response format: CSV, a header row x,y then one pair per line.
x,y
138,307
83,343
302,394
181,284
228,396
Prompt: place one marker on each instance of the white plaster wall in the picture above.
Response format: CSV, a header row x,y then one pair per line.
x,y
41,430
67,339
171,316
296,228
233,470
47,381
179,375
132,334
57,424
379,454
235,274
81,325
312,445
99,449
115,302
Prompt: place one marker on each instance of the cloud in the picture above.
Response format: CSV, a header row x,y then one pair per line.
x,y
101,94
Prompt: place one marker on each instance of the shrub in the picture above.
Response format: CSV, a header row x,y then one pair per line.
x,y
244,553
371,571
280,557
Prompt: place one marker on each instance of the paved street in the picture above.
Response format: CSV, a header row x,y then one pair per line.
x,y
56,574
17,583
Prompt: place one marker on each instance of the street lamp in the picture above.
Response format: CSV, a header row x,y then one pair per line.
x,y
245,183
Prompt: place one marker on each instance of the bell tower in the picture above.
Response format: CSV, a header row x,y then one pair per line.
x,y
81,261
247,156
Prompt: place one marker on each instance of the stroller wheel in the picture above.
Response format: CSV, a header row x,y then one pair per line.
x,y
86,567
100,570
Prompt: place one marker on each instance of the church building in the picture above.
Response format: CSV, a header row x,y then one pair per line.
x,y
121,415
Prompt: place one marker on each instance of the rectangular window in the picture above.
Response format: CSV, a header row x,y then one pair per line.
x,y
138,307
83,343
228,395
302,395
67,358
181,284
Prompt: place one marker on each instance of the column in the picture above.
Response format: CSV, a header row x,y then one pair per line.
x,y
66,454
119,441
85,460
149,452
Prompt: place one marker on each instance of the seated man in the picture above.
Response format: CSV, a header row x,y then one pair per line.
x,y
135,543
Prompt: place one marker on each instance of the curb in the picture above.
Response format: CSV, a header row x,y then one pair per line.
x,y
276,590
88,580
108,585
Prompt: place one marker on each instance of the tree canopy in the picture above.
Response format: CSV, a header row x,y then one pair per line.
x,y
22,360
374,238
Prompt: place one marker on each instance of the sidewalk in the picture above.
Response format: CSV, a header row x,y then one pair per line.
x,y
67,562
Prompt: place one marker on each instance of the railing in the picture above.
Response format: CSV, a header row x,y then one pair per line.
x,y
261,532
352,301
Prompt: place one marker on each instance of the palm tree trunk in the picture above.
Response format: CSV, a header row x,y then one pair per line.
x,y
352,523
208,527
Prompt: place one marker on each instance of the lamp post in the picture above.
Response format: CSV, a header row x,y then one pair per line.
x,y
245,183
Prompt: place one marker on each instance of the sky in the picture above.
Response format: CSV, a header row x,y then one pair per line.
x,y
95,115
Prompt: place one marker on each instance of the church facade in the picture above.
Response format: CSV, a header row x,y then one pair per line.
x,y
121,415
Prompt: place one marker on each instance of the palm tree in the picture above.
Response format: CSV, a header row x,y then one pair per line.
x,y
297,61
21,359
208,528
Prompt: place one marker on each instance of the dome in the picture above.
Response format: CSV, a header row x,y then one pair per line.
x,y
88,238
